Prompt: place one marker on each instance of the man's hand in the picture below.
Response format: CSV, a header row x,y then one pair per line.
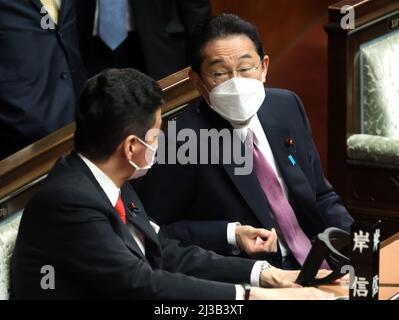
x,y
289,294
278,278
254,241
344,280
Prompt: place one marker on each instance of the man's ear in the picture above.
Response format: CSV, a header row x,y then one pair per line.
x,y
265,63
127,147
198,83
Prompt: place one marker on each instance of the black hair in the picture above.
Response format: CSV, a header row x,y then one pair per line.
x,y
219,27
113,105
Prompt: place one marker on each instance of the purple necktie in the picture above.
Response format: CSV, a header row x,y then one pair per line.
x,y
297,241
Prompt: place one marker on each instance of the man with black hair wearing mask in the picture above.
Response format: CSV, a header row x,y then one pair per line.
x,y
285,190
87,225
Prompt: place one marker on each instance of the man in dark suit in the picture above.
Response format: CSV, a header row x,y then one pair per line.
x,y
41,73
286,190
86,235
157,40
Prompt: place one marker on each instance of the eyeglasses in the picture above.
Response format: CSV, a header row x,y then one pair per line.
x,y
245,72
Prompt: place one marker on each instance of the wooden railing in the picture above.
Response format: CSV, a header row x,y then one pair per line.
x,y
22,172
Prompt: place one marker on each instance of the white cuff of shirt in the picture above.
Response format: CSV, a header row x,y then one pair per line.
x,y
231,237
240,292
256,270
258,267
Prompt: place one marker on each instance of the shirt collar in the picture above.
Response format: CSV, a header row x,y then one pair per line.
x,y
58,3
108,186
242,131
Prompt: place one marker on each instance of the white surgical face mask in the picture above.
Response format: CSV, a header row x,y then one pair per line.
x,y
140,172
237,100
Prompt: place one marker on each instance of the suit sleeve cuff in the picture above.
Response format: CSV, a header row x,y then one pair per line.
x,y
231,237
258,267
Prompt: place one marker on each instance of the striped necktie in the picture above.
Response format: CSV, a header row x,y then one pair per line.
x,y
52,8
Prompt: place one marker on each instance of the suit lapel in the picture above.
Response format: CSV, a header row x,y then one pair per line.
x,y
131,243
153,251
294,177
64,9
251,191
247,185
123,230
137,216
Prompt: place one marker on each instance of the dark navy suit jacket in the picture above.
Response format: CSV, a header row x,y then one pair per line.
x,y
71,225
41,73
194,203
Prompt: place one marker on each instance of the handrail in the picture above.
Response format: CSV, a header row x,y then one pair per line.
x,y
35,161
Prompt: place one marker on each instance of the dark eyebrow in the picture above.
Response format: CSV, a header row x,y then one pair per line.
x,y
216,61
246,56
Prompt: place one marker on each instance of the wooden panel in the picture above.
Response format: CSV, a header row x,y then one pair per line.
x,y
389,272
369,190
279,22
21,172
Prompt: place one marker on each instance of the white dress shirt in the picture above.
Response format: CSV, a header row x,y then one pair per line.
x,y
57,4
263,145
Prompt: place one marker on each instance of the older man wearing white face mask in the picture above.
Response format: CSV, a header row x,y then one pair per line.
x,y
286,190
